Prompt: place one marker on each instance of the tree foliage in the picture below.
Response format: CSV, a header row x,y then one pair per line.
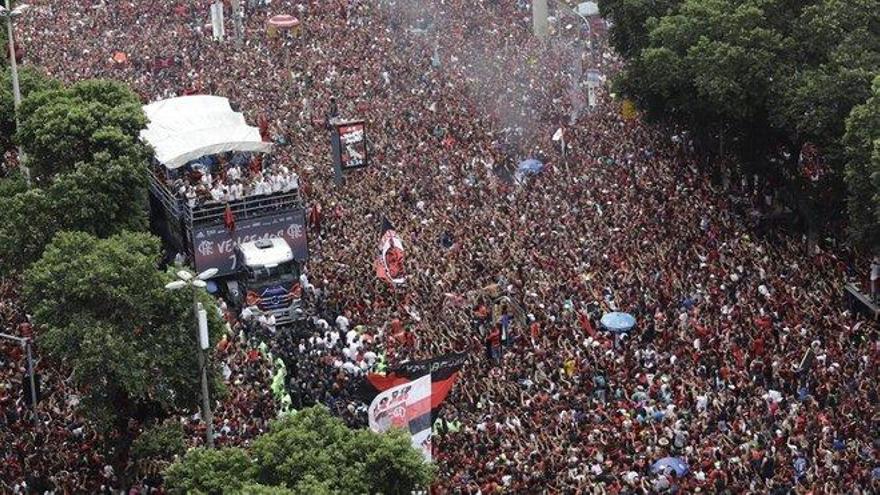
x,y
313,452
210,471
631,17
87,164
30,80
66,127
104,311
756,78
161,441
862,148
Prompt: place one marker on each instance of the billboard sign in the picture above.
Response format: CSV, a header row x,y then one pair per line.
x,y
353,144
214,245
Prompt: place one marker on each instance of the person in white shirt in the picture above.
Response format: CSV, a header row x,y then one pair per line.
x,y
342,323
332,337
304,283
191,197
351,368
277,183
260,187
270,323
217,193
292,181
370,357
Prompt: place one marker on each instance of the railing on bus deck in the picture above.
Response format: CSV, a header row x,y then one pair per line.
x,y
249,207
214,211
171,202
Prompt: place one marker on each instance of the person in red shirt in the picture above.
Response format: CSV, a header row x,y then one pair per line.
x,y
535,332
493,343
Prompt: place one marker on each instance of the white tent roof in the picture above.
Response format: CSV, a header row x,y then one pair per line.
x,y
189,127
588,9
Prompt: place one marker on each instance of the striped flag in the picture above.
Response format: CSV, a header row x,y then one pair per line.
x,y
408,407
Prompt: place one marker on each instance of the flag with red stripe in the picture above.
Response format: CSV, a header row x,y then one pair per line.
x,y
444,371
406,406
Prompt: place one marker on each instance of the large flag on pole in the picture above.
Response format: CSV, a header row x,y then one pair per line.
x,y
408,407
389,261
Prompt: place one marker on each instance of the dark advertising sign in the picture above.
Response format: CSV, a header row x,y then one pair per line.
x,y
353,144
214,245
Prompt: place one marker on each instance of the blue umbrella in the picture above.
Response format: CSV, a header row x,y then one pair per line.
x,y
618,322
530,167
676,464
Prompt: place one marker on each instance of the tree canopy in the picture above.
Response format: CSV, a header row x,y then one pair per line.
x,y
103,310
63,128
30,80
756,78
862,148
87,164
310,452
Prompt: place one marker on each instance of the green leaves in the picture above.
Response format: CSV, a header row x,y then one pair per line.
x,y
628,34
104,311
209,471
862,150
30,81
65,127
311,453
162,441
87,162
760,76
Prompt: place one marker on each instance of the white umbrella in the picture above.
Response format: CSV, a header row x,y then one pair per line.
x,y
587,9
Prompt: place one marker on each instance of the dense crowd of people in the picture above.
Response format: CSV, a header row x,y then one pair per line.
x,y
623,217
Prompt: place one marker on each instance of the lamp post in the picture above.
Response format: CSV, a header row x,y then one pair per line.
x,y
539,18
10,15
186,279
237,20
26,343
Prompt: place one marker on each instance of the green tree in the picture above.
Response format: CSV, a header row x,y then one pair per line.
x,y
62,128
315,453
88,165
755,79
161,441
30,80
210,471
104,311
28,224
631,17
102,197
258,489
862,149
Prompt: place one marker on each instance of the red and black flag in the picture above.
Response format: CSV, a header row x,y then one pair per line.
x,y
389,260
444,372
229,219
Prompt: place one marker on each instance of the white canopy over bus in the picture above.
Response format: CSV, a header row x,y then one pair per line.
x,y
189,127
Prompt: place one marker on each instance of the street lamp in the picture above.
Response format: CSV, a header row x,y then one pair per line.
x,y
10,15
186,279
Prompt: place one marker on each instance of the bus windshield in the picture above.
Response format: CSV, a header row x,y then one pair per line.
x,y
285,272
